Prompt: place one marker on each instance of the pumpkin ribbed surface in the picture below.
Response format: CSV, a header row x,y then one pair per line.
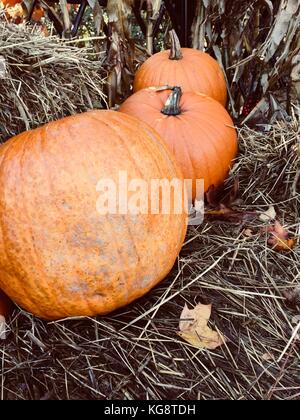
x,y
195,72
202,137
58,256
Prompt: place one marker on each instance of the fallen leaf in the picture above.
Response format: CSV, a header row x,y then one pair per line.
x,y
248,233
216,196
212,196
228,214
268,215
281,245
280,240
224,204
193,328
268,357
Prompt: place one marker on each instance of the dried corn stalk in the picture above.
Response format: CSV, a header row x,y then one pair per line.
x,y
258,44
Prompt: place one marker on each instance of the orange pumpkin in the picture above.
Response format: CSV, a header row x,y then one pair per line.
x,y
191,69
60,257
197,129
11,3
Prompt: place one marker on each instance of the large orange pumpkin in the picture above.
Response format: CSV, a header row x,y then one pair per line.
x,y
191,69
59,257
197,129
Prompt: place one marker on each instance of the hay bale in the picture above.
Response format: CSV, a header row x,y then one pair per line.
x,y
44,78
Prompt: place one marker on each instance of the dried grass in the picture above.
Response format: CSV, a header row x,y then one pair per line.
x,y
43,78
135,352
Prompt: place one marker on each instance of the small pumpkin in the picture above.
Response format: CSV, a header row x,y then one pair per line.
x,y
197,129
191,69
60,257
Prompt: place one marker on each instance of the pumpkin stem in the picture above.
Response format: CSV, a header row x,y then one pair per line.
x,y
172,106
176,53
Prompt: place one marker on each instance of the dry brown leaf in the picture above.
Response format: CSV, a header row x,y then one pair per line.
x,y
281,244
268,215
228,214
280,240
193,328
217,196
225,205
222,211
210,196
268,357
248,233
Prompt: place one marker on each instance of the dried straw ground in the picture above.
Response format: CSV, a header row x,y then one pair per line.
x,y
136,354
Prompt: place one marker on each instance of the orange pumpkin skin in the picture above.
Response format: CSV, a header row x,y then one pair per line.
x,y
196,71
202,138
11,3
59,257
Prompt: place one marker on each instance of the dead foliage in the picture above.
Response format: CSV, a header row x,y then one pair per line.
x,y
258,45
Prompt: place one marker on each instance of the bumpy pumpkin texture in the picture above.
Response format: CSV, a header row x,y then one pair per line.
x,y
198,131
58,256
191,69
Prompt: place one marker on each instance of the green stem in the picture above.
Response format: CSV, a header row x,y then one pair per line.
x,y
172,106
